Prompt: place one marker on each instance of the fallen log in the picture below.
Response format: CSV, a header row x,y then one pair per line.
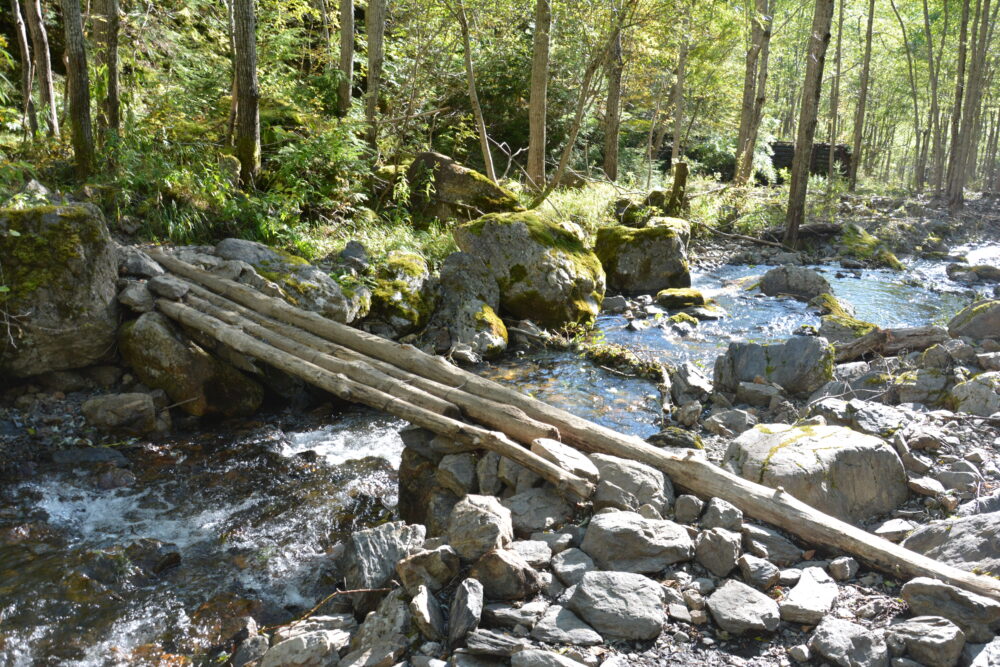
x,y
349,390
890,342
686,470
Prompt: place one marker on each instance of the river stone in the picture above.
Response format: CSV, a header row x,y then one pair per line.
x,y
137,297
721,513
760,573
570,566
688,508
479,524
717,549
620,605
928,386
795,281
569,459
538,658
976,615
628,485
312,649
980,395
488,642
680,297
60,266
445,189
250,650
982,655
848,644
800,365
433,568
737,608
537,509
168,287
559,625
836,470
301,284
427,616
977,321
499,614
386,629
971,542
536,553
932,640
371,555
811,599
134,262
400,300
124,414
466,610
163,358
768,543
457,473
345,622
643,261
505,575
628,542
545,274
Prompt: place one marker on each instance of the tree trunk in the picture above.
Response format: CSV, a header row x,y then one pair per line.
x,y
835,101
234,99
29,120
247,91
43,64
979,81
477,110
918,176
935,113
79,91
612,112
346,84
375,26
679,101
955,184
106,31
754,91
811,90
538,100
324,17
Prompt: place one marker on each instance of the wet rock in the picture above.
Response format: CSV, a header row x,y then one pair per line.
x,y
758,572
720,513
457,473
627,542
848,644
536,658
312,649
545,274
687,509
730,423
123,414
795,281
371,555
980,395
977,321
570,566
559,625
971,543
977,616
737,608
466,610
153,557
767,543
427,616
836,470
627,485
479,524
717,549
932,640
505,575
643,261
445,189
137,297
843,568
680,297
620,605
811,599
433,568
537,509
673,436
801,365
569,459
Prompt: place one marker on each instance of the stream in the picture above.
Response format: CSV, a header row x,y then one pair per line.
x,y
254,515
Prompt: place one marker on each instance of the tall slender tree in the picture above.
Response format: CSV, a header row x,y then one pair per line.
x,y
346,83
754,90
835,100
106,30
43,64
682,57
247,138
29,120
612,109
79,88
538,96
933,67
375,27
918,176
859,114
470,76
955,199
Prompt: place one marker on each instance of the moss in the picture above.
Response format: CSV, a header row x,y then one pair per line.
x,y
406,264
488,317
620,358
684,318
680,297
833,311
858,243
973,311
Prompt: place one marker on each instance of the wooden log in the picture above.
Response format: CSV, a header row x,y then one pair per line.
x,y
686,470
349,390
890,342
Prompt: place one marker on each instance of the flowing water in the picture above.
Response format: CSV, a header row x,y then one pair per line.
x,y
255,515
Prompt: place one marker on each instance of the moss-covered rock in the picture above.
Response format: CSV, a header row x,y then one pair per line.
x,y
545,273
928,386
679,225
859,244
979,320
838,324
641,261
978,396
680,297
442,188
58,267
400,302
163,358
624,360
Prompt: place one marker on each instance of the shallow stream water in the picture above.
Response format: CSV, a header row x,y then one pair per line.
x,y
255,515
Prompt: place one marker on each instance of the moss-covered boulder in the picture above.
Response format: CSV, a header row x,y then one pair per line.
x,y
58,267
978,396
794,281
401,303
163,358
858,244
545,273
643,261
927,386
442,188
837,322
465,310
679,225
800,365
977,321
680,297
300,283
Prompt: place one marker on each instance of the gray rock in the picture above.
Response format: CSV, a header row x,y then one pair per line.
x,y
758,572
466,610
980,395
717,550
433,568
895,530
627,542
620,605
122,414
479,524
977,616
795,281
569,459
312,649
737,608
487,474
755,393
687,509
427,615
134,262
689,383
488,642
390,623
506,616
643,261
971,542
345,622
250,649
800,653
505,575
811,599
843,568
927,386
836,470
445,189
767,543
537,509
570,566
457,473
559,625
371,555
535,553
801,365
137,297
720,513
558,541
627,485
730,422
168,287
848,644
536,658
402,300
932,640
979,320
982,655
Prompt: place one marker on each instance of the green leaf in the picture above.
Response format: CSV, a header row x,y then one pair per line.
x,y
4,288
13,233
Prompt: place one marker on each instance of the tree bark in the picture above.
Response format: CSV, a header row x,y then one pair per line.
x,y
324,17
918,174
612,111
247,91
811,90
955,183
890,342
375,26
679,101
106,31
234,100
935,113
346,84
79,89
43,64
835,102
538,96
29,120
477,109
754,91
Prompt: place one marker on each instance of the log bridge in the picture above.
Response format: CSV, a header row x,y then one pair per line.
x,y
430,392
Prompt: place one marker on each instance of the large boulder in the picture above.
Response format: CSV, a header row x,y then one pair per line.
x,y
628,485
620,605
300,283
836,470
979,396
57,288
442,188
545,273
465,311
163,358
971,543
800,365
643,261
628,542
980,320
400,302
795,281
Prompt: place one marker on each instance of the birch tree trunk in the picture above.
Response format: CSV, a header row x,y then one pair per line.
x,y
247,91
346,83
29,120
79,89
43,64
106,31
477,109
835,101
811,90
538,98
612,112
375,26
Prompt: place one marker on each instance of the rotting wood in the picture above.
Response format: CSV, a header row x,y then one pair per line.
x,y
890,342
687,470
